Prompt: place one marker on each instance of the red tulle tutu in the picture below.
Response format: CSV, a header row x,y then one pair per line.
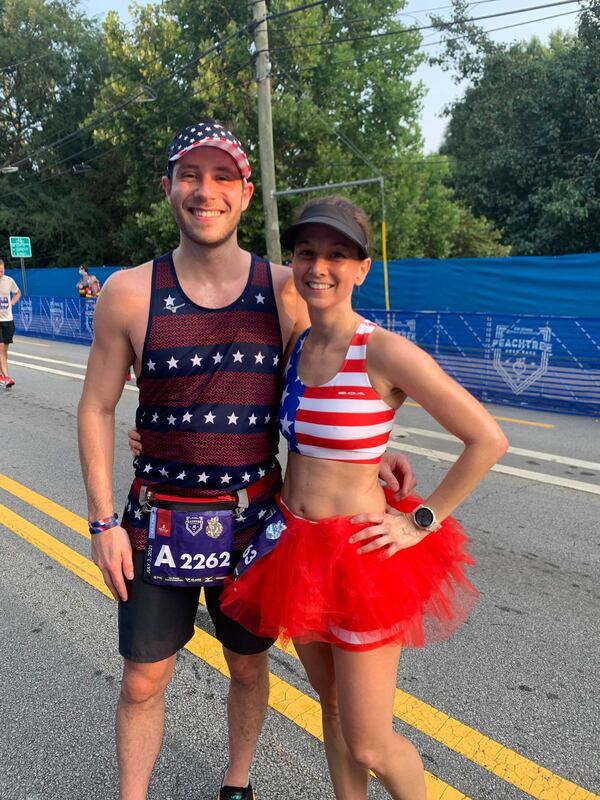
x,y
315,586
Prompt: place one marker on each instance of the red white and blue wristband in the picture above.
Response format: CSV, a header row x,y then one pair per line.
x,y
104,524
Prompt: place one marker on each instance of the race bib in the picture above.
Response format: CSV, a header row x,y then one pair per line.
x,y
4,303
265,539
188,548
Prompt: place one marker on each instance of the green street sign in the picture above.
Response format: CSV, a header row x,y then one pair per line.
x,y
20,246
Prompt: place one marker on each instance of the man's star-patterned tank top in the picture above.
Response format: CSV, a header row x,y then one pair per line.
x,y
208,397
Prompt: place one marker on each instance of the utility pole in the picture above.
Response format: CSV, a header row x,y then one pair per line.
x,y
265,129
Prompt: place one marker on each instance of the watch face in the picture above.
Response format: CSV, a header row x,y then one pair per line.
x,y
424,517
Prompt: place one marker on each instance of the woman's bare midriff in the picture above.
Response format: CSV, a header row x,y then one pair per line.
x,y
317,488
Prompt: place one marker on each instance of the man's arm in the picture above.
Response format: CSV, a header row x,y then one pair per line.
x,y
110,356
15,297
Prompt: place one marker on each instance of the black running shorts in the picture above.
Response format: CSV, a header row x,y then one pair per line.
x,y
7,331
157,621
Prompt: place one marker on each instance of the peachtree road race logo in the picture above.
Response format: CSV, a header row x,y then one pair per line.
x,y
194,524
57,315
26,312
521,354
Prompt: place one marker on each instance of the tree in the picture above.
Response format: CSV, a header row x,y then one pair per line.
x,y
476,237
523,140
53,64
344,108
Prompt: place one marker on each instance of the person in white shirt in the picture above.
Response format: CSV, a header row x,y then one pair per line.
x,y
9,295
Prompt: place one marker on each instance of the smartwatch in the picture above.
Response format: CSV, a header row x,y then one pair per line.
x,y
424,518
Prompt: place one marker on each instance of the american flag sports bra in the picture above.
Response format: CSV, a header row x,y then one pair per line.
x,y
344,419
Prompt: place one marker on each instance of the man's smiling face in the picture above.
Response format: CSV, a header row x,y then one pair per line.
x,y
207,195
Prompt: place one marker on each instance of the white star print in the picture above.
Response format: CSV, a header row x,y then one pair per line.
x,y
196,360
268,418
261,513
252,419
151,364
147,468
203,477
172,362
218,358
287,369
169,301
276,361
209,418
259,358
285,424
284,395
181,476
246,477
261,473
171,419
164,472
187,417
238,357
155,417
240,517
225,478
128,506
138,514
232,419
259,299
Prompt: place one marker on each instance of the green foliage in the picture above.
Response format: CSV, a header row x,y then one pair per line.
x,y
113,98
524,144
53,63
476,237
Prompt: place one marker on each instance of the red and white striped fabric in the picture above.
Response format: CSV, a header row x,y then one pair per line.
x,y
344,419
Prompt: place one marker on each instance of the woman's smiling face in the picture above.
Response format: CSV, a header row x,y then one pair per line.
x,y
327,265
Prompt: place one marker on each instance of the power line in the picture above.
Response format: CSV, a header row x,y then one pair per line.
x,y
278,14
26,61
388,53
214,48
285,74
417,29
371,18
161,109
124,103
131,140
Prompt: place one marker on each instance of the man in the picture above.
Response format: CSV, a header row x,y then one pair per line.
x,y
10,294
205,328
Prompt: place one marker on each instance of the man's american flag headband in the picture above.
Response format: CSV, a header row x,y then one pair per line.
x,y
209,135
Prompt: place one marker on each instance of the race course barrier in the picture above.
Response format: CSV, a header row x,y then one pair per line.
x,y
546,363
549,363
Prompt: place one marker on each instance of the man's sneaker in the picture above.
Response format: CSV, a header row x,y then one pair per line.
x,y
9,382
236,793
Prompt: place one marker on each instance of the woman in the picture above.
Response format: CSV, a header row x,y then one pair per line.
x,y
349,581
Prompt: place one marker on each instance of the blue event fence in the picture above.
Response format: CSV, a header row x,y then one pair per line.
x,y
549,363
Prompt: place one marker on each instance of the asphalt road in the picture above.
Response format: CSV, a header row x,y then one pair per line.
x,y
512,700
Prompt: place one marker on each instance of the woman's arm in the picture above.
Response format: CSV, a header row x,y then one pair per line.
x,y
397,365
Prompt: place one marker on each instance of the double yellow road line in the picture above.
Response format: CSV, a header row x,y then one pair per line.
x,y
531,778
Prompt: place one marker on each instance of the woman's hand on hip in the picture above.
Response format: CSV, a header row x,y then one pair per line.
x,y
391,530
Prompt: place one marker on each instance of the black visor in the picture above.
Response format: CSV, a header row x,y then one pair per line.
x,y
334,217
